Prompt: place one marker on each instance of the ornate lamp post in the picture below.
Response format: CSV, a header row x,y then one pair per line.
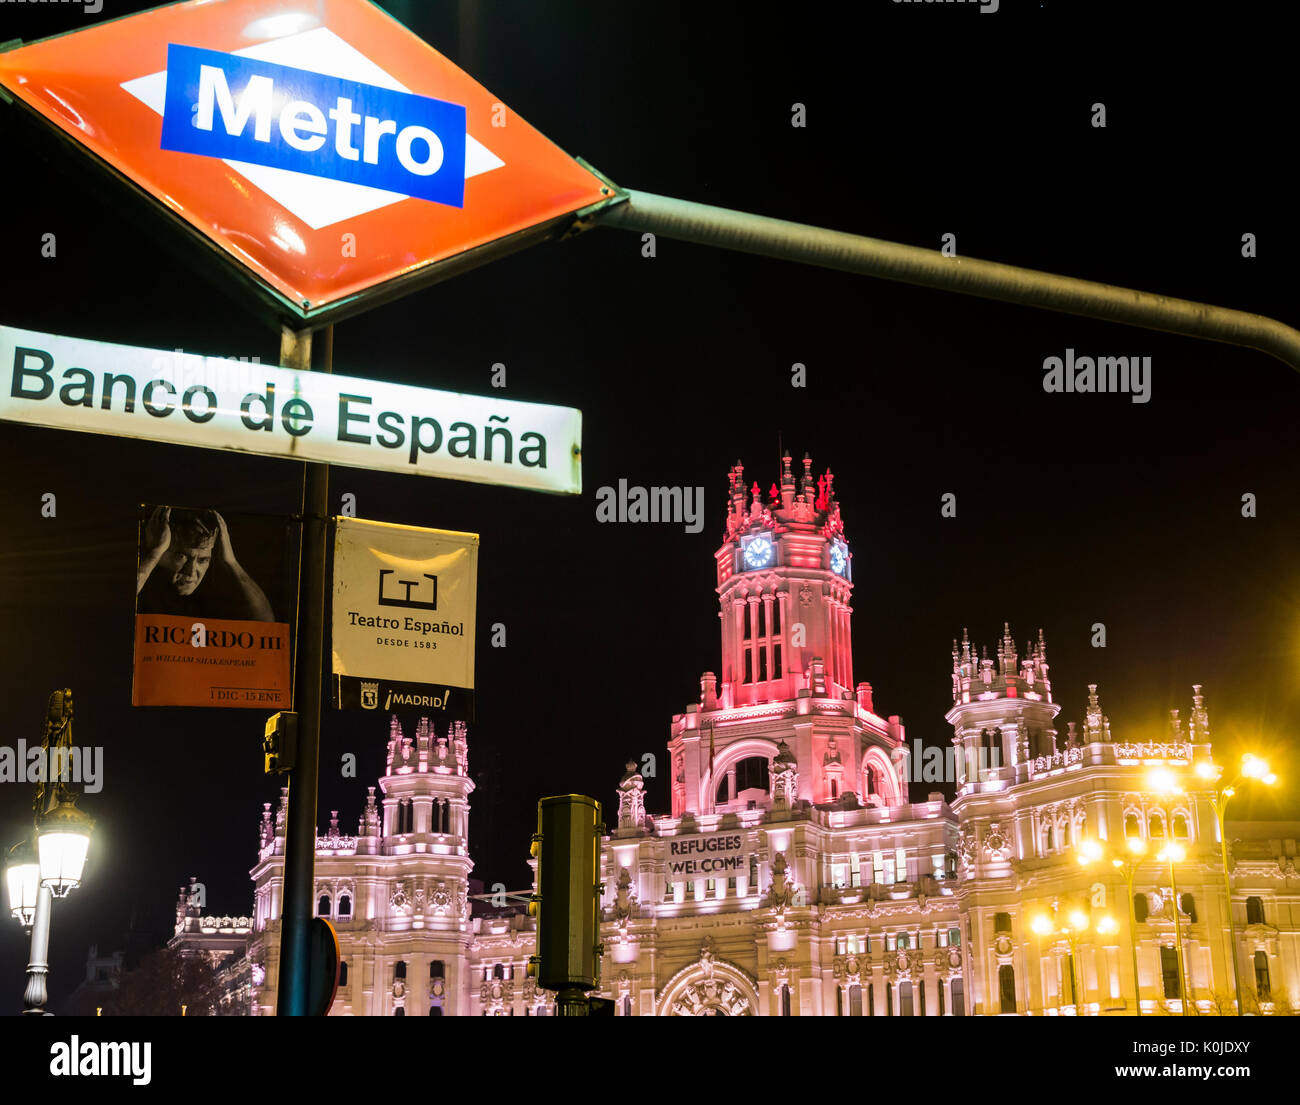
x,y
1254,769
37,875
1076,924
1091,851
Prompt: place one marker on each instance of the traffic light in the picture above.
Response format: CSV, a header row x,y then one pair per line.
x,y
567,904
280,742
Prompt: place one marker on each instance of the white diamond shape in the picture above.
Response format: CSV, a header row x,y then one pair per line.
x,y
317,201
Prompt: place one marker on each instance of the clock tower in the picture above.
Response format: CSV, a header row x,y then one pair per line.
x,y
784,583
784,726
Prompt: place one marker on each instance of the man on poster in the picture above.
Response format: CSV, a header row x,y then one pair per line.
x,y
177,550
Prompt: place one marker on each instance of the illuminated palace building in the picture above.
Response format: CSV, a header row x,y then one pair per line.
x,y
795,877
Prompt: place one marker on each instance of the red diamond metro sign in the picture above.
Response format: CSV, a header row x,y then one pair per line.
x,y
335,157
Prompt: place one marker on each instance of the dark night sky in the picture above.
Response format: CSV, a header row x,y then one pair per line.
x,y
921,120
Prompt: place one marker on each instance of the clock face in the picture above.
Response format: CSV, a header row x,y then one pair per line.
x,y
759,552
839,557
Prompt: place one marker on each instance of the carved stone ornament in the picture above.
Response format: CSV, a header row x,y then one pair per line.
x,y
440,899
947,960
995,844
966,848
398,900
848,968
1002,946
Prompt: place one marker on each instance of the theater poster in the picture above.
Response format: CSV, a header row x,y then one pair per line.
x,y
405,600
215,596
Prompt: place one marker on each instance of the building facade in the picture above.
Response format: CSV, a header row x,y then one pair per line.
x,y
793,875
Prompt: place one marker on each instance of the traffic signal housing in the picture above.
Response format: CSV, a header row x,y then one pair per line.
x,y
567,902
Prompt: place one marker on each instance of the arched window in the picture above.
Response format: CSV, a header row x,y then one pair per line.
x,y
1051,837
958,999
498,971
1007,987
1132,826
1180,825
1156,826
345,905
436,969
399,970
905,1000
873,781
1263,989
855,1001
1188,905
1254,911
752,774
785,1000
1002,923
323,906
343,974
1140,908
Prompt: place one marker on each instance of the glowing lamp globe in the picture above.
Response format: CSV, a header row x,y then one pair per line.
x,y
62,843
23,879
1253,767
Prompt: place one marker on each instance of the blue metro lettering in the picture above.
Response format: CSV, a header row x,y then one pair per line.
x,y
227,106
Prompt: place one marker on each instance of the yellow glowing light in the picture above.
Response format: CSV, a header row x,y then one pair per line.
x,y
1173,853
1089,850
1162,781
1137,845
1107,925
1079,920
1268,779
1253,767
1041,924
1207,770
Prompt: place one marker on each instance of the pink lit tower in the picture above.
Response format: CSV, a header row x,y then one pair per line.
x,y
785,724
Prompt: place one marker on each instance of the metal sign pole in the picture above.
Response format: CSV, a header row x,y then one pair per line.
x,y
833,249
300,829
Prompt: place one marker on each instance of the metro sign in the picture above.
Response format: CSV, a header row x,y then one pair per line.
x,y
330,153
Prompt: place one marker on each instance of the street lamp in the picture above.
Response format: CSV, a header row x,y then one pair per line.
x,y
1077,922
1256,770
23,879
36,876
1090,851
62,842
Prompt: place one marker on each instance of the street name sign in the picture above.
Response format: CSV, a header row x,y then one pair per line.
x,y
327,152
212,402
